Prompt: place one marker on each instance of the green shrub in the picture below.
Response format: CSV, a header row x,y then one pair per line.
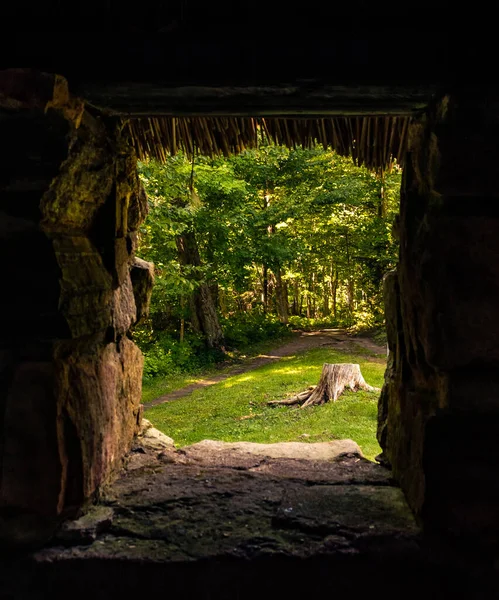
x,y
166,355
244,329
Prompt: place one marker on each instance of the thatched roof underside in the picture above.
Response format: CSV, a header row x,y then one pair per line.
x,y
373,141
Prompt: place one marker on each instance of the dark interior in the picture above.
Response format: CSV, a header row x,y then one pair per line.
x,y
70,207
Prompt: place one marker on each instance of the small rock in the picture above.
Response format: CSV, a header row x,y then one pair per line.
x,y
304,435
156,441
383,460
139,461
85,529
144,426
166,457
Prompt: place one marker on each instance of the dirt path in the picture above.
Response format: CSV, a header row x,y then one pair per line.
x,y
303,341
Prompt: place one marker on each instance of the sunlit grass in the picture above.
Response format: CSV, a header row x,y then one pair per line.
x,y
216,412
158,386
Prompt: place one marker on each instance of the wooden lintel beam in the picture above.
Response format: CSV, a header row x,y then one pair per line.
x,y
310,99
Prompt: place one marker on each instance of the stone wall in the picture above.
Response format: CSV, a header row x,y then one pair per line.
x,y
70,378
439,410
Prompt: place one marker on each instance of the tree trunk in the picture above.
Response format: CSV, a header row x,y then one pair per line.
x,y
265,295
334,291
204,317
309,299
214,292
314,311
382,200
222,299
351,296
326,311
350,281
296,298
182,320
334,379
266,203
281,296
271,296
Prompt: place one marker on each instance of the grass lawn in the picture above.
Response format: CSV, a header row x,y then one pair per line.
x,y
236,409
154,388
157,386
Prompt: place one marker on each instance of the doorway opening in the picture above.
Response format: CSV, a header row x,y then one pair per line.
x,y
270,238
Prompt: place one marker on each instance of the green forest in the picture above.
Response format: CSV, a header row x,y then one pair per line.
x,y
247,247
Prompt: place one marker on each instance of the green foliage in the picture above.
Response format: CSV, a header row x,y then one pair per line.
x,y
244,329
307,221
168,356
217,412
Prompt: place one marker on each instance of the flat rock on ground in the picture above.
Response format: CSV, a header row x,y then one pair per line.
x,y
240,520
209,450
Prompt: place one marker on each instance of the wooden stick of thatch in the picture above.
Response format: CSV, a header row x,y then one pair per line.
x,y
392,135
376,147
174,135
386,149
351,140
370,140
363,135
402,141
369,145
333,134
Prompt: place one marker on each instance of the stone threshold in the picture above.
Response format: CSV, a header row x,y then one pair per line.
x,y
241,520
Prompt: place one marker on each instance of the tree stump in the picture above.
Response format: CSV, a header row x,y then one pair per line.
x,y
334,379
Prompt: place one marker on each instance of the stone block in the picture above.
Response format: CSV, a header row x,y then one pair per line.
x,y
30,279
99,388
84,182
31,470
25,89
69,399
124,311
129,203
440,405
137,208
121,260
132,242
467,166
461,461
86,286
142,274
459,274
